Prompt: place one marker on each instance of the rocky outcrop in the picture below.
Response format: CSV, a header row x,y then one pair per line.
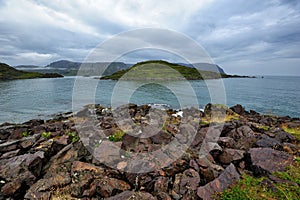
x,y
267,160
92,155
228,177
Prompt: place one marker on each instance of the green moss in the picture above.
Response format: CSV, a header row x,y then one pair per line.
x,y
46,134
295,131
265,128
217,119
249,187
73,135
117,136
25,134
221,106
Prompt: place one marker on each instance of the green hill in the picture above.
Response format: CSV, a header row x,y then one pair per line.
x,y
162,70
9,73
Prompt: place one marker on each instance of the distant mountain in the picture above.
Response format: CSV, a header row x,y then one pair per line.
x,y
64,64
9,73
27,66
87,69
162,70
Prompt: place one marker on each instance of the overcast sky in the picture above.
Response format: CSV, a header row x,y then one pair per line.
x,y
242,36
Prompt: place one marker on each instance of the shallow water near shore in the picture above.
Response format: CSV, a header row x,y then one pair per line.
x,y
22,100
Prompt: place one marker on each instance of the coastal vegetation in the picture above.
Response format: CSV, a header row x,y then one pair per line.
x,y
163,70
116,136
9,73
251,188
46,134
74,136
295,131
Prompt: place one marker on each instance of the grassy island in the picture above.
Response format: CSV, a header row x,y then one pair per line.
x,y
163,70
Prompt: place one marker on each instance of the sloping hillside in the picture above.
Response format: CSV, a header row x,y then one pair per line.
x,y
9,73
162,70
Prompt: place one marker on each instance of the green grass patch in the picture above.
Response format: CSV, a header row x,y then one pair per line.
x,y
117,136
263,127
73,135
293,131
252,188
46,134
219,120
25,134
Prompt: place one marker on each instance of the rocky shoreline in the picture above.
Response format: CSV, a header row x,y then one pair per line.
x,y
70,156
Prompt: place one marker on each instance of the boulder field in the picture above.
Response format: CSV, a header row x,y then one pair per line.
x,y
139,152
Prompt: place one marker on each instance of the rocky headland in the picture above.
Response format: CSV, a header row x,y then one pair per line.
x,y
61,158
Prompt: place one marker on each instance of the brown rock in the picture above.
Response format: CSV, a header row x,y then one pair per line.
x,y
38,195
268,142
291,148
108,153
226,142
208,169
129,142
41,187
161,137
160,184
267,160
216,110
229,155
10,154
228,177
11,188
189,181
185,184
199,137
194,165
34,164
121,165
17,134
5,132
106,186
20,172
133,196
282,136
8,146
163,196
79,166
15,167
188,132
27,143
243,136
239,109
66,157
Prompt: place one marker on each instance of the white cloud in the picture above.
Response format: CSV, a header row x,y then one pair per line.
x,y
28,14
40,31
130,13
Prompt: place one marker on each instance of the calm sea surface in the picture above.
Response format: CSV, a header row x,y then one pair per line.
x,y
22,100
